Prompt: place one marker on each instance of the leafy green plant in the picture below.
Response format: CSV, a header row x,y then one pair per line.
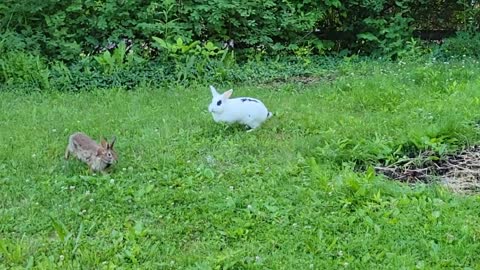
x,y
194,60
119,60
387,36
167,25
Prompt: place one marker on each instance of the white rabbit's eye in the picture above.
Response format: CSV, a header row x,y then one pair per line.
x,y
219,103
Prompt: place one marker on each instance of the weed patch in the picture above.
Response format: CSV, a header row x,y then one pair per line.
x,y
459,171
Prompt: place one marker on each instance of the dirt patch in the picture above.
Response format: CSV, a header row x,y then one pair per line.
x,y
460,172
306,80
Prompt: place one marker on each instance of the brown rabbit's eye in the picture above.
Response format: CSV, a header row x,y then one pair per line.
x,y
219,103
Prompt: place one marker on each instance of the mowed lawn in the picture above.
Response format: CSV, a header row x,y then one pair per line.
x,y
189,193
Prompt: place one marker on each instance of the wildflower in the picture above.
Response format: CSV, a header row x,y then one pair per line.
x,y
210,159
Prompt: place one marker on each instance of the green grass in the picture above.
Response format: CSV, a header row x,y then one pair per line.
x,y
188,193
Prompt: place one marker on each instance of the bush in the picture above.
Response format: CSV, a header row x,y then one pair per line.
x,y
27,70
66,29
463,44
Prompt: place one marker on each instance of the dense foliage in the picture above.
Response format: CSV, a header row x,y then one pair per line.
x,y
80,44
65,29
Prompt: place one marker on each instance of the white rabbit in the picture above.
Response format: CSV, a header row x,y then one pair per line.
x,y
244,110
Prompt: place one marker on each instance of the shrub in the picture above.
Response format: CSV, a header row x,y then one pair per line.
x,y
463,44
24,69
66,29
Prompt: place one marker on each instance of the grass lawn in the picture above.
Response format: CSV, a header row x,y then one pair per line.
x,y
188,193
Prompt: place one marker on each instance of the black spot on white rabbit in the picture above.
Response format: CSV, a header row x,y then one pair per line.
x,y
244,110
98,156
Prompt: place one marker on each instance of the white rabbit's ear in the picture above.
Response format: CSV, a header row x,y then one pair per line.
x,y
227,94
214,91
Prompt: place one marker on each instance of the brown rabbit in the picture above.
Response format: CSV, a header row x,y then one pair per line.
x,y
98,157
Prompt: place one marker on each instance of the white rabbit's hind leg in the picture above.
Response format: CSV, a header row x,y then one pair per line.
x,y
253,126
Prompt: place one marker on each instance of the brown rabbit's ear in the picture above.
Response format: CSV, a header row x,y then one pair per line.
x,y
113,142
104,143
